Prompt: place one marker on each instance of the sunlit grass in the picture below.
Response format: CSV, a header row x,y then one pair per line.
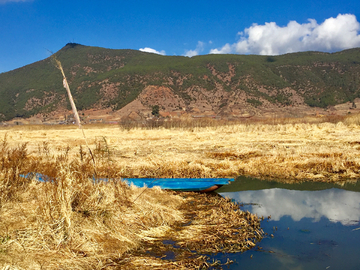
x,y
300,151
73,222
78,223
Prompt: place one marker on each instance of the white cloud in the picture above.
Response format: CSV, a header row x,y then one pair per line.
x,y
199,49
191,53
149,50
333,34
227,48
8,1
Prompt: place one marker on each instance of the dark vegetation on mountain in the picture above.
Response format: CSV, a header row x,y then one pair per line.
x,y
101,78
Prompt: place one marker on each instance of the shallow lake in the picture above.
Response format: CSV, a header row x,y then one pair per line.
x,y
312,225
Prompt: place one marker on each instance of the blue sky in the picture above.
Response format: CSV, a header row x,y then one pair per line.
x,y
29,28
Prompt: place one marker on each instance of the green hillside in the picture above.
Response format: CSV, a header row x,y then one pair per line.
x,y
322,79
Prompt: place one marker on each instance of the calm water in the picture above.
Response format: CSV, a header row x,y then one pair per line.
x,y
314,225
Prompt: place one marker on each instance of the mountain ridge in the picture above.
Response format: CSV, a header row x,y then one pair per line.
x,y
216,85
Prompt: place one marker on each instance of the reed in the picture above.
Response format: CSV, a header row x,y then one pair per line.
x,y
73,107
301,151
353,119
71,222
66,86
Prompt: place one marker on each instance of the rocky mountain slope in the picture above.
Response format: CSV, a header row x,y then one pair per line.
x,y
128,84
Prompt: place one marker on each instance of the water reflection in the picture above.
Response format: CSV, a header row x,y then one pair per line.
x,y
333,204
315,226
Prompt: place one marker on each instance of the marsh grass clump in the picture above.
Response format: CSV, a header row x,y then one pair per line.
x,y
12,162
227,228
212,224
71,220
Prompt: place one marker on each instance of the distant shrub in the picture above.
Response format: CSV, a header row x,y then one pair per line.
x,y
155,110
254,102
270,59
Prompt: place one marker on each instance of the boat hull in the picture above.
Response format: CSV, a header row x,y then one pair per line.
x,y
181,184
177,184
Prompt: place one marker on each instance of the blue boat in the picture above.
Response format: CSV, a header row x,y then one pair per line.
x,y
181,184
177,184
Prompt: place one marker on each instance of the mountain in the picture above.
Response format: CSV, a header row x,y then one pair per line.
x,y
216,85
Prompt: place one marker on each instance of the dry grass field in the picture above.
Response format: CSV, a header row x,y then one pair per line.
x,y
302,151
71,222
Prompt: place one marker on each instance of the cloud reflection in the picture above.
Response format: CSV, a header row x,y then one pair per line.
x,y
335,204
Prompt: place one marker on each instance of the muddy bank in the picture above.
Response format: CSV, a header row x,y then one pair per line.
x,y
212,224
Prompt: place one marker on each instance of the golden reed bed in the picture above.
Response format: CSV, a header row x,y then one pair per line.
x,y
73,223
318,152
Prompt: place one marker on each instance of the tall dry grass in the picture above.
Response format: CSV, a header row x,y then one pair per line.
x,y
352,119
71,221
302,151
190,123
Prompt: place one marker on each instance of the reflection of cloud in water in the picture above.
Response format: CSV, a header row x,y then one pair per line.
x,y
287,261
334,204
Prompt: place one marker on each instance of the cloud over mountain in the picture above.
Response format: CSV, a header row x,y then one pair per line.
x,y
333,34
150,50
199,48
